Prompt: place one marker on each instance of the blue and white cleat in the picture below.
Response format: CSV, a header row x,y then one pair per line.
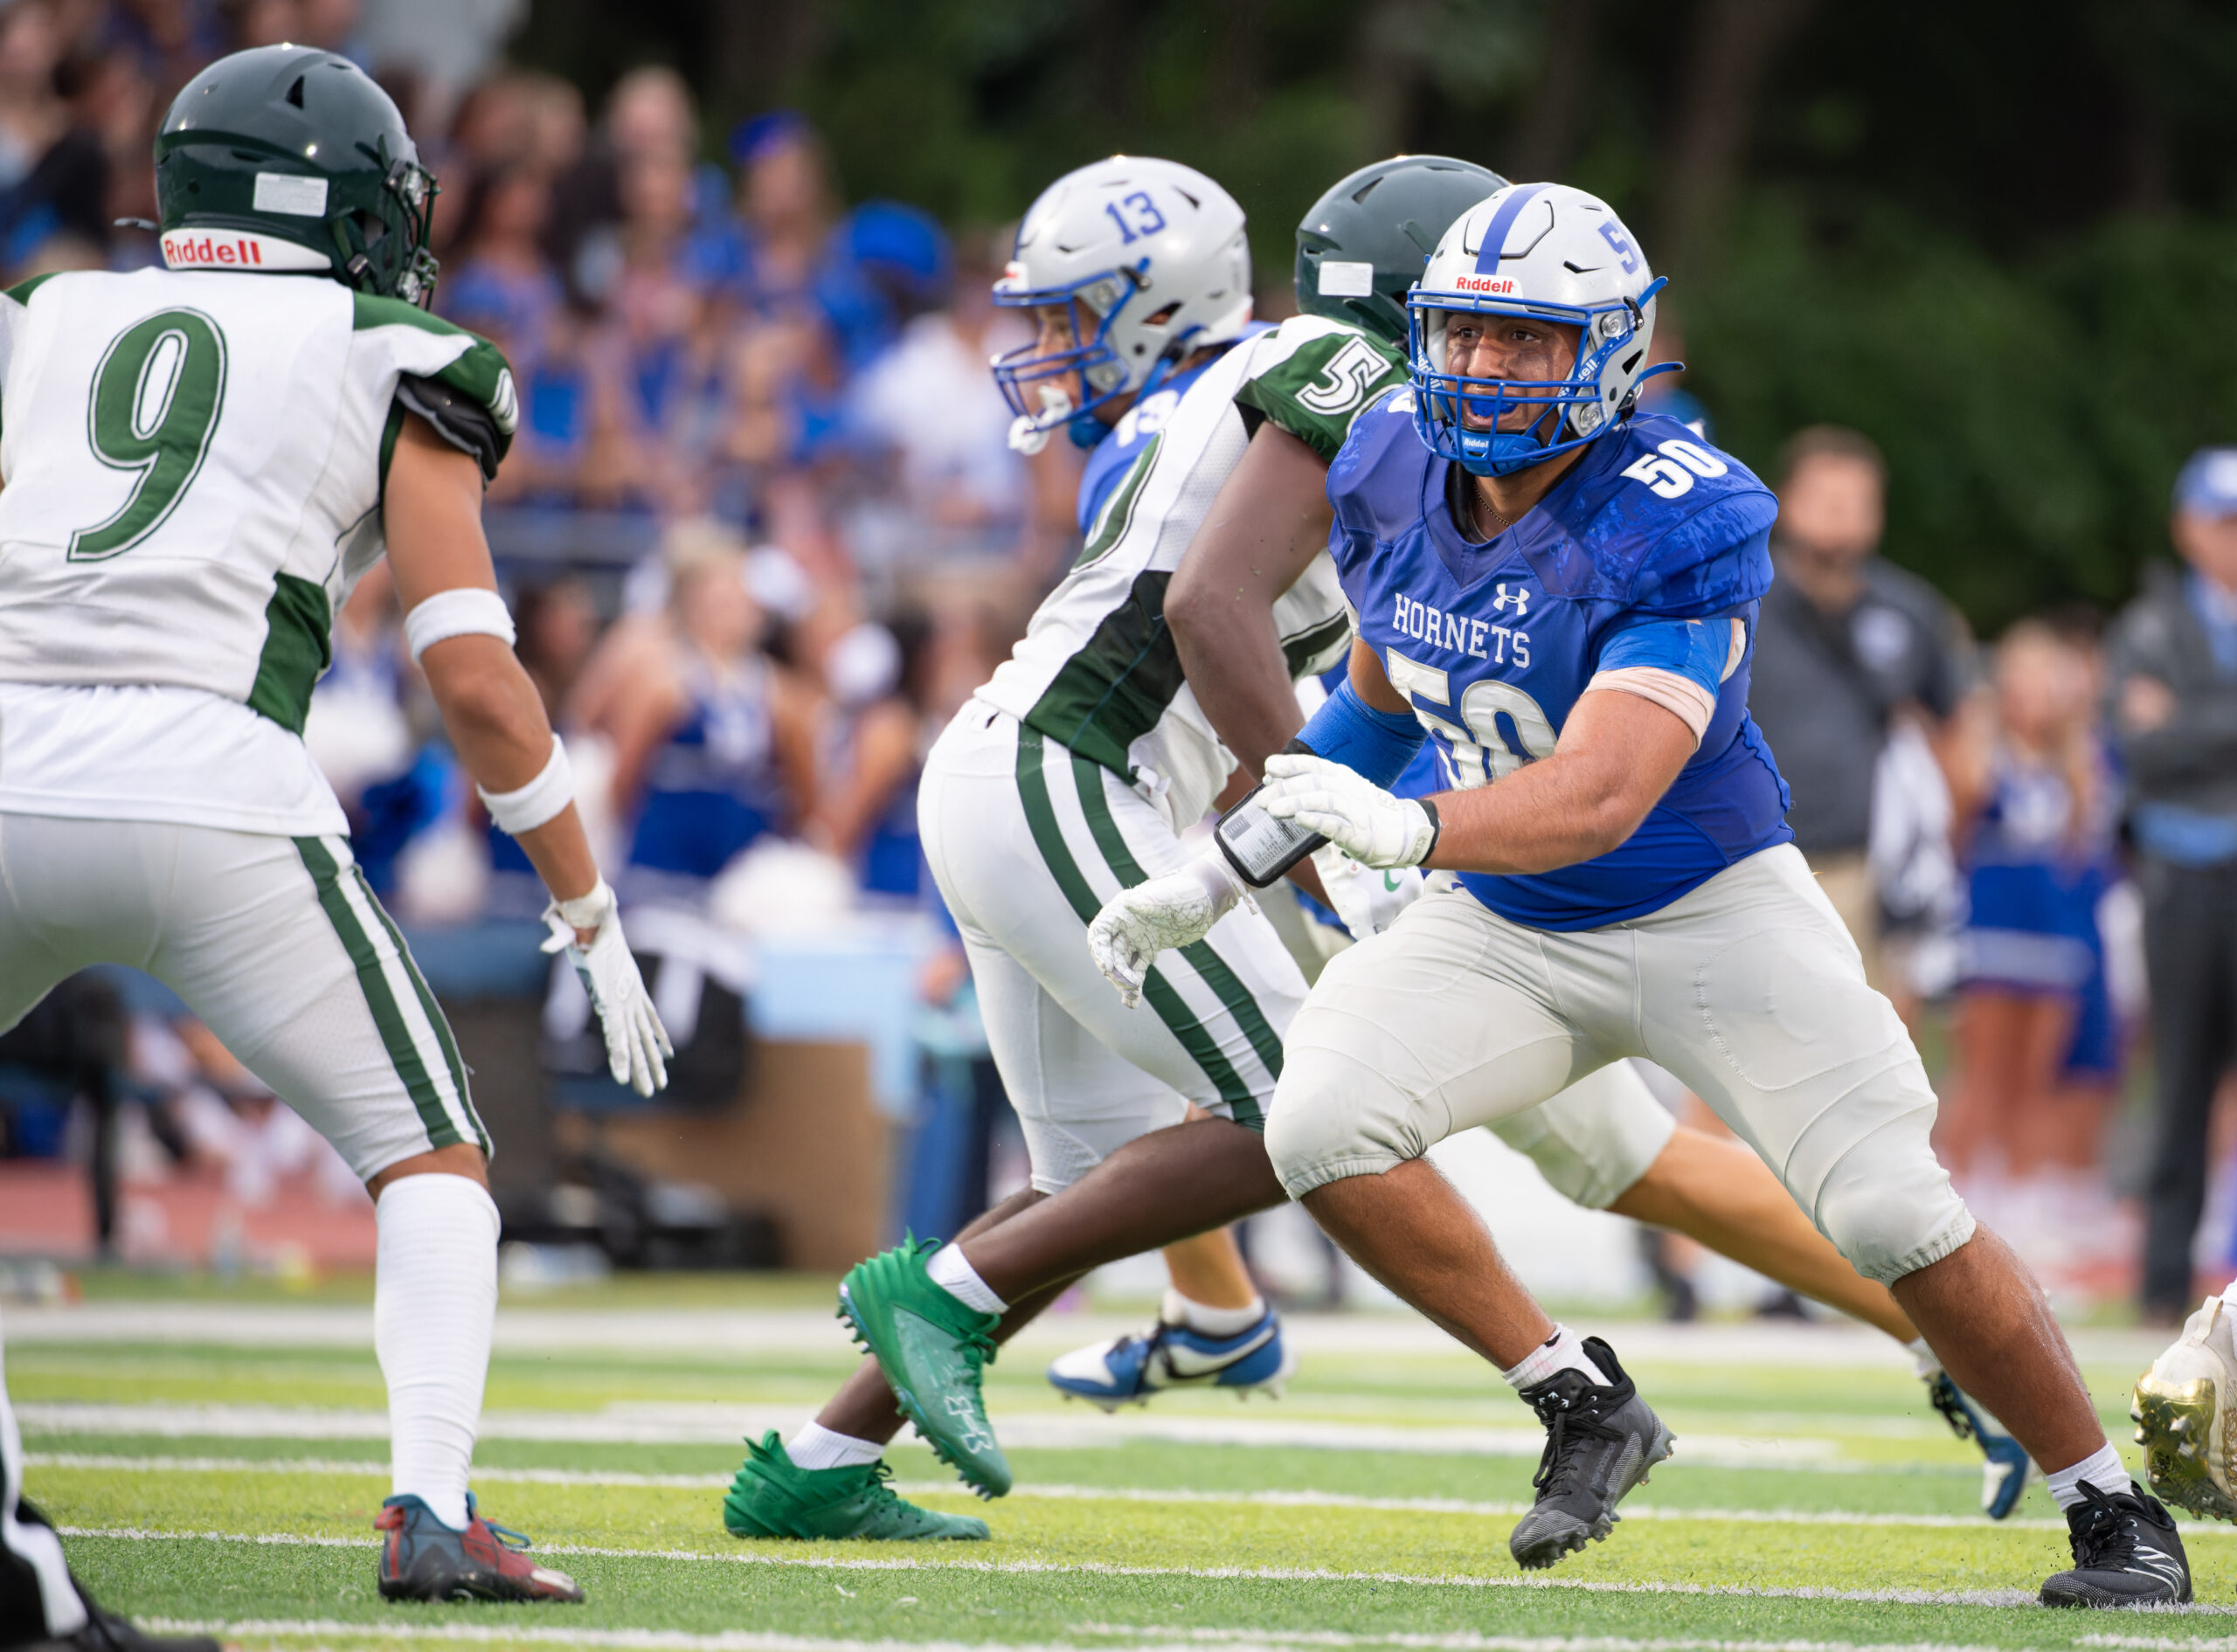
x,y
1128,1370
2003,1476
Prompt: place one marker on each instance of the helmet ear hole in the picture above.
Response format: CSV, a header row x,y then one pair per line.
x,y
295,93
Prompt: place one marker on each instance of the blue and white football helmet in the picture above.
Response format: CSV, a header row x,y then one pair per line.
x,y
1152,259
1552,253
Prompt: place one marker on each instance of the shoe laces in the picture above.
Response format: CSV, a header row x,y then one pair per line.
x,y
1558,1467
2107,1537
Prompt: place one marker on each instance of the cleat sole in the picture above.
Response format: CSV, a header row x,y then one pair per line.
x,y
2175,1427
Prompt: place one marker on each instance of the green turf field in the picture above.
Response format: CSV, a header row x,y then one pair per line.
x,y
218,1462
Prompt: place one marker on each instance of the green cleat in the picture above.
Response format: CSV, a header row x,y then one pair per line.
x,y
771,1498
931,1349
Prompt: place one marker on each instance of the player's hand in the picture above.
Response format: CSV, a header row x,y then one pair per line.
x,y
1369,899
1137,924
636,1043
1349,810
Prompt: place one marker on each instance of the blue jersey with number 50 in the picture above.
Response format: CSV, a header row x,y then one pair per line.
x,y
1494,642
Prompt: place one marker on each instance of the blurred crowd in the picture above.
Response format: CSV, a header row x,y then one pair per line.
x,y
762,533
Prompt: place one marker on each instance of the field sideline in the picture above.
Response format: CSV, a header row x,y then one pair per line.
x,y
217,1462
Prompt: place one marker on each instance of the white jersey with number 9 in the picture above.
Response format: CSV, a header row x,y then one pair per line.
x,y
193,465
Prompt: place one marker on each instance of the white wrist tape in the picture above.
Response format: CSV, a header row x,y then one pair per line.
x,y
587,911
539,801
467,612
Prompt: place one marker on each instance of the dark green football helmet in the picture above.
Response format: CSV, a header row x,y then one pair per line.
x,y
1388,218
289,158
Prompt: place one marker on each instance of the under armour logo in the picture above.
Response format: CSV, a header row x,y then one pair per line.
x,y
1521,599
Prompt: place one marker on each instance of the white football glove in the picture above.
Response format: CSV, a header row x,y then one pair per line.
x,y
1349,810
1367,899
1137,924
635,1042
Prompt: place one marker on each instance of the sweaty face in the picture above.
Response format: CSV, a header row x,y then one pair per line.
x,y
1518,347
1834,506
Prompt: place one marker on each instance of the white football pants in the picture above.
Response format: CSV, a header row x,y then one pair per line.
x,y
276,943
1748,990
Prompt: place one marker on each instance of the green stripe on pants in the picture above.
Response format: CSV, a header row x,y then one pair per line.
x,y
434,1010
1103,825
1048,838
365,956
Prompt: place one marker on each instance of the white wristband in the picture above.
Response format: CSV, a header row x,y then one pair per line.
x,y
467,612
538,802
1218,880
587,911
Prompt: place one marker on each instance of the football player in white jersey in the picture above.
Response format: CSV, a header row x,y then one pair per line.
x,y
1265,417
200,461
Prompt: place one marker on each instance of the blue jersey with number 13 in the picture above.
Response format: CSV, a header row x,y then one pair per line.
x,y
1495,642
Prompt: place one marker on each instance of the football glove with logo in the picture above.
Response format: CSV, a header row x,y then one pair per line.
x,y
1367,899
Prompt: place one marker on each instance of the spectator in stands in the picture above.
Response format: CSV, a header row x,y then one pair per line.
x,y
1847,642
496,280
2173,691
714,744
53,173
877,676
788,203
2038,1046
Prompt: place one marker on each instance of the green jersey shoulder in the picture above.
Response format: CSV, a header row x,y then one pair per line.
x,y
1312,377
457,380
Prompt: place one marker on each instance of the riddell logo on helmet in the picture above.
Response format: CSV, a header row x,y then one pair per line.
x,y
1481,284
235,250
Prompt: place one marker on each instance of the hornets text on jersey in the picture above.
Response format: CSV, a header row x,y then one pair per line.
x,y
1495,642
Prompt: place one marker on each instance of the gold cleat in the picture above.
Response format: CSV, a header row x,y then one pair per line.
x,y
2181,1410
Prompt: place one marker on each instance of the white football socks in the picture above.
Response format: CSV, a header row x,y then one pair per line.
x,y
817,1447
2103,1471
953,1274
1563,1350
1925,1364
1178,1309
434,1301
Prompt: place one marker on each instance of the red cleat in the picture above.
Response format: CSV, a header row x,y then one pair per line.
x,y
423,1560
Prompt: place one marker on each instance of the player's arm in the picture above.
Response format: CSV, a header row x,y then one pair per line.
x,y
1269,523
1635,726
432,512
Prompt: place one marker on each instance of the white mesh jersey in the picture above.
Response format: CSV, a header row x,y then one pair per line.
x,y
193,464
1097,669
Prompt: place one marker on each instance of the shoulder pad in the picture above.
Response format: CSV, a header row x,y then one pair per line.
x,y
1311,377
1375,482
1661,521
458,419
464,383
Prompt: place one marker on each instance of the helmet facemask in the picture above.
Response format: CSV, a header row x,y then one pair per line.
x,y
384,247
1034,381
1600,389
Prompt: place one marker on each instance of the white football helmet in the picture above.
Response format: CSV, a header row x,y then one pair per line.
x,y
1152,258
1554,254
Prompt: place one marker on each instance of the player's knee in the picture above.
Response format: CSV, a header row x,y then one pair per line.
x,y
1333,1117
1888,1205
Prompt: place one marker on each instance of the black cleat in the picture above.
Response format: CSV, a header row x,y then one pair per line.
x,y
1601,1441
2126,1552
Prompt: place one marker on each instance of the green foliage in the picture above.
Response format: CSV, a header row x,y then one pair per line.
x,y
2033,415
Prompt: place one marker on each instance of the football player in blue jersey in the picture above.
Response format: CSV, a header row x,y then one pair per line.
x,y
1560,593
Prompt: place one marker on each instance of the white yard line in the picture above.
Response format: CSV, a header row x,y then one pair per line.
x,y
1298,1499
629,1424
1094,1568
1145,1639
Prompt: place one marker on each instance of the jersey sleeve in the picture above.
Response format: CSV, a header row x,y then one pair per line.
x,y
1678,664
457,380
1717,559
1314,378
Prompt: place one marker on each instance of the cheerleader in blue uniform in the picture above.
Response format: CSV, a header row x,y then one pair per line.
x,y
2037,1040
